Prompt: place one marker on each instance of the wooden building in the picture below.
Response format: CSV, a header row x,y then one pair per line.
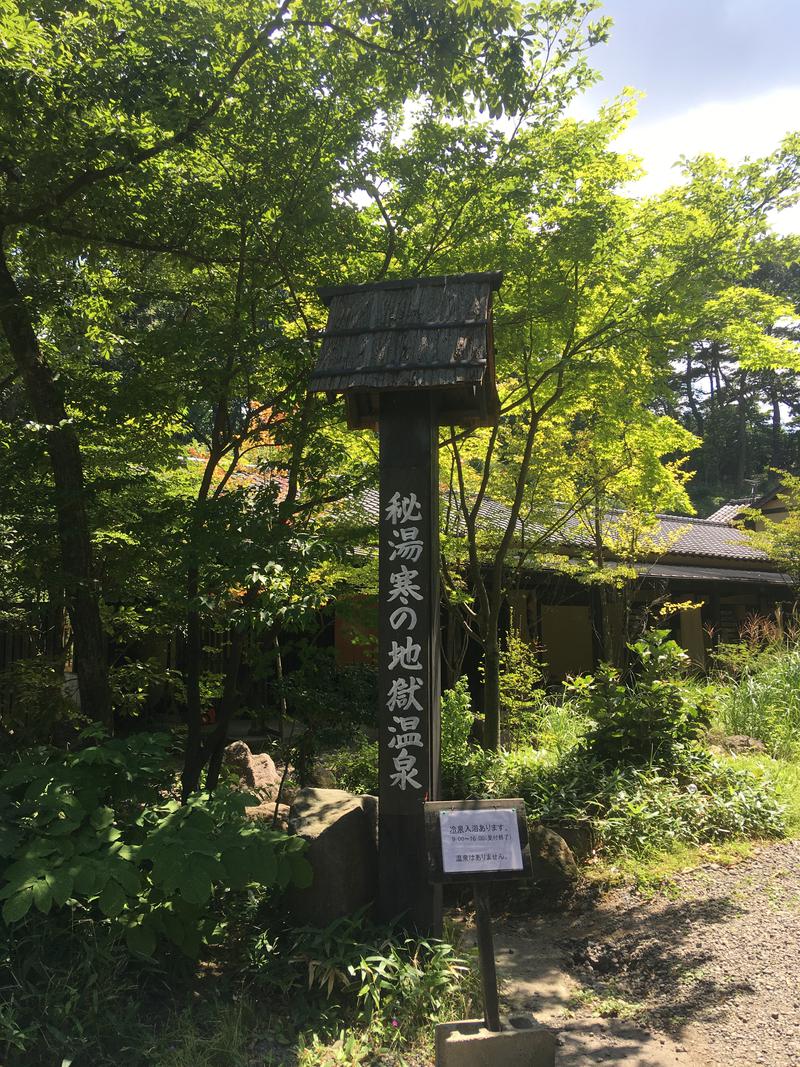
x,y
708,563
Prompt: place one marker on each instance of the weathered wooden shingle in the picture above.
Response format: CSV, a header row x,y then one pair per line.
x,y
433,333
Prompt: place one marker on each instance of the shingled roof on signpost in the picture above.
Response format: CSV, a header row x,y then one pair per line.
x,y
430,332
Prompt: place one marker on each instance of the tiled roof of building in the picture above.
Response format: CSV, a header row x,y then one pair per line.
x,y
704,537
733,509
712,574
674,535
729,511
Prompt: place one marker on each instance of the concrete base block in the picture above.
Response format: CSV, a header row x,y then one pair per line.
x,y
521,1043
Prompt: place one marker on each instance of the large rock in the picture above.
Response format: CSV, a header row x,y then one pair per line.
x,y
580,836
257,771
552,860
342,849
738,743
320,777
266,812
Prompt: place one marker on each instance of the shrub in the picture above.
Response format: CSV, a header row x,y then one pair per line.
x,y
356,768
334,701
652,717
97,829
638,808
68,993
37,706
521,692
331,705
562,727
457,720
134,683
763,701
355,972
645,808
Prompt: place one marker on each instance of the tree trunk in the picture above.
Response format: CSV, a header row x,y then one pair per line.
x,y
455,645
777,433
281,691
690,397
200,753
47,405
741,434
606,636
603,599
491,686
215,747
192,759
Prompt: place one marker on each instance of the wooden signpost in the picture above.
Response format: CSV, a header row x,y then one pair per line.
x,y
409,355
479,841
408,648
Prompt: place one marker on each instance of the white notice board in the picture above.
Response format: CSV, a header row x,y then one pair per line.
x,y
480,840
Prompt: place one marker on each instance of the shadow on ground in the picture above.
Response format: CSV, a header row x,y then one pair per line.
x,y
652,956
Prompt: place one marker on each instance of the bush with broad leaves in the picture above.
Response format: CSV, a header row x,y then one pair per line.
x,y
99,828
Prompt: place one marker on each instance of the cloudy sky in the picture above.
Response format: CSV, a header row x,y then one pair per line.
x,y
720,76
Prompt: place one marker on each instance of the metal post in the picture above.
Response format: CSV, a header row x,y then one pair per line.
x,y
483,922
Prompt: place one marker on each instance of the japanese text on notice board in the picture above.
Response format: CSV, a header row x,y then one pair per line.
x,y
485,840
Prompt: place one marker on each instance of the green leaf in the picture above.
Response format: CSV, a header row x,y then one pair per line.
x,y
10,837
108,834
173,927
113,899
62,827
101,818
302,872
141,939
238,867
195,886
60,882
23,772
264,862
17,907
127,875
43,896
284,873
86,878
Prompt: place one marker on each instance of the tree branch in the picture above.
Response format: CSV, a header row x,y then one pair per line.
x,y
103,240
165,144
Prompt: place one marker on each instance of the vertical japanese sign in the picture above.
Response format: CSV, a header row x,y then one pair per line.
x,y
404,695
408,649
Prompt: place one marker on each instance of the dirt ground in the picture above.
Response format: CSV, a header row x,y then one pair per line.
x,y
705,975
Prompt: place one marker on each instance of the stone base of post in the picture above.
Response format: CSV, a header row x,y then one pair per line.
x,y
521,1042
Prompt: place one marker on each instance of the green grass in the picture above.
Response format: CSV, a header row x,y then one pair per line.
x,y
608,1004
71,993
764,701
219,1034
656,870
786,776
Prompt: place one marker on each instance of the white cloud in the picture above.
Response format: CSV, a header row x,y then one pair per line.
x,y
732,129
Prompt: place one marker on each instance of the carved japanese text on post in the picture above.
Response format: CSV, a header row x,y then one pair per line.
x,y
403,537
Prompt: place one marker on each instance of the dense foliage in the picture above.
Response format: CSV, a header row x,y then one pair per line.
x,y
178,508
71,991
758,696
356,972
653,716
98,831
629,760
169,461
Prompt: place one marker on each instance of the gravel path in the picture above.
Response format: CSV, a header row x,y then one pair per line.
x,y
706,976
